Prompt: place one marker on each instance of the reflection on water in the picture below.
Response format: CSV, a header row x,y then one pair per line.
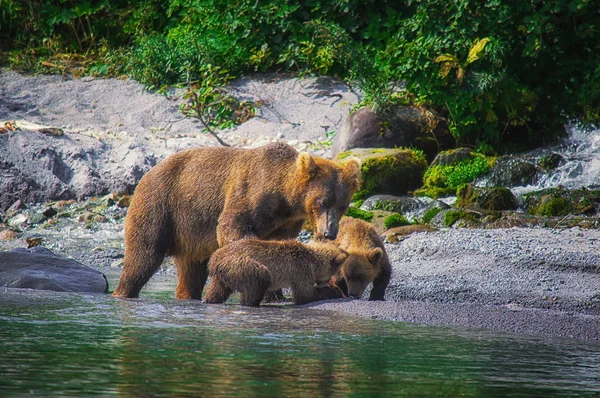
x,y
68,344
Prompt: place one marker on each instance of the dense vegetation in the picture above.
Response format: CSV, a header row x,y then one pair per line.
x,y
501,71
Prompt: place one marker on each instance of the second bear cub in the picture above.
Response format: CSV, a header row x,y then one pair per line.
x,y
253,267
367,260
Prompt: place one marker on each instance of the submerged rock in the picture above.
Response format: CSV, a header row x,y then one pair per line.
x,y
38,268
511,171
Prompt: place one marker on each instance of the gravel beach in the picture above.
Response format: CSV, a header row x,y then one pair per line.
x,y
534,281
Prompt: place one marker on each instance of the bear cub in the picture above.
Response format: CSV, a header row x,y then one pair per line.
x,y
367,260
253,267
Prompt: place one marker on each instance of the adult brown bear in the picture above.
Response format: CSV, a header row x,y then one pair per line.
x,y
198,200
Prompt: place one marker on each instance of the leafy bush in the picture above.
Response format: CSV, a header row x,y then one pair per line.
x,y
505,73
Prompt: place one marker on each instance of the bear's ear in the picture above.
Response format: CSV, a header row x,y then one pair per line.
x,y
375,255
352,173
305,164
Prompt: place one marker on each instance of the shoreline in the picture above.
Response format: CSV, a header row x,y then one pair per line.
x,y
507,318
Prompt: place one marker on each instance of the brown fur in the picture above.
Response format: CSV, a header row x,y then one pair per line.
x,y
253,266
195,201
367,260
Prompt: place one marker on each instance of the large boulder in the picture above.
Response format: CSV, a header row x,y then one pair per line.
x,y
387,171
402,126
36,167
40,269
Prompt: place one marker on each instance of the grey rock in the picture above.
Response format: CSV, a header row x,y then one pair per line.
x,y
40,269
412,207
438,220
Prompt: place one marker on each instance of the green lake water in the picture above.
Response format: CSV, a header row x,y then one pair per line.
x,y
63,344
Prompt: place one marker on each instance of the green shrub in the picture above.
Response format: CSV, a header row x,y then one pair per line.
x,y
395,220
499,71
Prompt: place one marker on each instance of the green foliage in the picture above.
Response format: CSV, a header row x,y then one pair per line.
x,y
429,214
501,71
355,212
395,220
440,180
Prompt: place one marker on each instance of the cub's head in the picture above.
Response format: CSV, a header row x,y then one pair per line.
x,y
360,269
330,258
328,189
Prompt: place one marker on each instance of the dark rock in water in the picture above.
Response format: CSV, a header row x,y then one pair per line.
x,y
497,198
403,126
38,268
550,161
510,171
50,212
561,202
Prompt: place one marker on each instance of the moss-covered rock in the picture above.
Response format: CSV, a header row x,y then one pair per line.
x,y
387,171
549,161
552,205
451,169
561,201
498,198
429,214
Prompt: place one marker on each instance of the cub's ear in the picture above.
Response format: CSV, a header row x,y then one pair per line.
x,y
305,164
375,255
352,173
